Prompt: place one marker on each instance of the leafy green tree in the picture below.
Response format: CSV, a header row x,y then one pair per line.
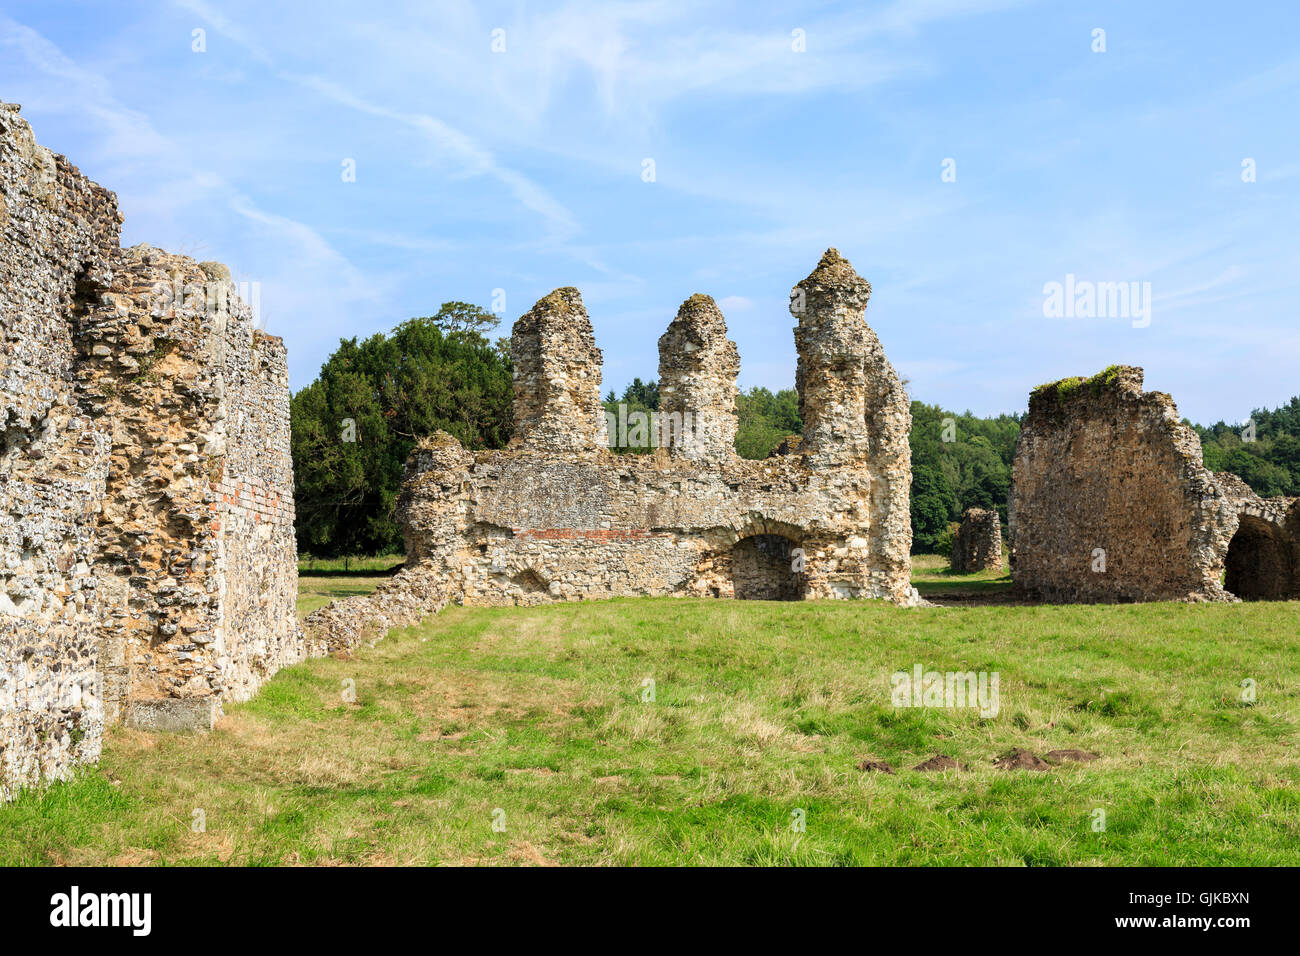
x,y
462,317
634,403
933,503
968,456
642,394
1266,479
764,419
355,425
336,510
1264,453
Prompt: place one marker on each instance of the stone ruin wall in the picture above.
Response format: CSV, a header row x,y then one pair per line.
x,y
127,535
58,234
1104,471
1263,558
197,572
557,516
977,545
260,632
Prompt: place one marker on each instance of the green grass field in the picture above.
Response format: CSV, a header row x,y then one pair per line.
x,y
322,580
315,591
378,564
535,719
933,577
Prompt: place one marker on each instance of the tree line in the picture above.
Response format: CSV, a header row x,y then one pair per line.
x,y
354,426
763,418
1263,451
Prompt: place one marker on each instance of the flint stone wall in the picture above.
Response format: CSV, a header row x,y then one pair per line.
x,y
1110,501
557,377
698,366
58,234
197,566
145,573
557,516
1263,557
977,545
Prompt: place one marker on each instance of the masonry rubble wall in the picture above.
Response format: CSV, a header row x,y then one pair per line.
x,y
1110,501
197,567
58,234
147,567
977,546
557,516
1262,562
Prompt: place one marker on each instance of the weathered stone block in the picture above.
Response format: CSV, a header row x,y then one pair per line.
x,y
174,714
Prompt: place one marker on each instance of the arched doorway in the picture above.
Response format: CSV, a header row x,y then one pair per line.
x,y
1258,562
763,569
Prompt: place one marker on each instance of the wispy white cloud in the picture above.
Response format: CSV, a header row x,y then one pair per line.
x,y
459,147
228,27
521,170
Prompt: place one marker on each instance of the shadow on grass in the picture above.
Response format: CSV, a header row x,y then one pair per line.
x,y
936,581
356,572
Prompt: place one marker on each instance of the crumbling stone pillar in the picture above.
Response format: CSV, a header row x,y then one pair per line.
x,y
557,404
852,402
978,544
831,371
698,367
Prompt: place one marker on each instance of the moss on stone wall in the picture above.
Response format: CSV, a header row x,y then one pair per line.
x,y
1067,389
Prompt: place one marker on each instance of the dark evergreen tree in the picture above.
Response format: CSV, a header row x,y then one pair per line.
x,y
353,428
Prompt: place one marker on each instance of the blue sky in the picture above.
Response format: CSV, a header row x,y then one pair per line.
x,y
522,170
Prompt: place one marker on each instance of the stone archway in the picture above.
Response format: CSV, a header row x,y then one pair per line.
x,y
1258,562
762,569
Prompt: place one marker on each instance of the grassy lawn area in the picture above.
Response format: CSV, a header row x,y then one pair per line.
x,y
322,580
932,574
534,718
316,591
381,563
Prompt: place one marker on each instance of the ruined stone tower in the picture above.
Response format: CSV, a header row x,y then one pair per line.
x,y
851,400
832,367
